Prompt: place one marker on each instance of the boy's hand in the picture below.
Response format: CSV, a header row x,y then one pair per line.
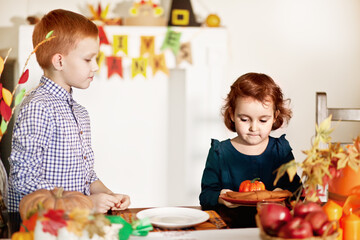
x,y
122,203
226,203
103,201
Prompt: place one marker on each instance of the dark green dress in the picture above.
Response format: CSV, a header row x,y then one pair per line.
x,y
226,168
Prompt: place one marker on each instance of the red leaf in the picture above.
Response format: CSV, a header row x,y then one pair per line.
x,y
24,77
0,91
5,111
55,221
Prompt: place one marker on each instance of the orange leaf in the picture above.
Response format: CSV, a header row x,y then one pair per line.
x,y
7,96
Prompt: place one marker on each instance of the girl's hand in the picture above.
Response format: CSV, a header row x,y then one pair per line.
x,y
123,201
103,202
226,203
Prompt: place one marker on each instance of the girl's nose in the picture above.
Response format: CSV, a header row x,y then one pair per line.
x,y
253,126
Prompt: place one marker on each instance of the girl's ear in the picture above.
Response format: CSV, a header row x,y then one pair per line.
x,y
231,115
56,61
277,112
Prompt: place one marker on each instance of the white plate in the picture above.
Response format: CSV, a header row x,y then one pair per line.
x,y
174,217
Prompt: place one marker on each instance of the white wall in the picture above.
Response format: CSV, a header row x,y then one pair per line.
x,y
306,46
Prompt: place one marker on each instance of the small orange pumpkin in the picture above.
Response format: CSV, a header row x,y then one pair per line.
x,y
251,185
53,199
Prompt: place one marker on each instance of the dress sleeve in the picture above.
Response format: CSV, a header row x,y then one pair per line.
x,y
285,156
31,135
211,179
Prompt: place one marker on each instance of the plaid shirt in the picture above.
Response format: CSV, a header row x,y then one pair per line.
x,y
51,145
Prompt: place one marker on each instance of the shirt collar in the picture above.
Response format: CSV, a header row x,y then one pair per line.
x,y
56,90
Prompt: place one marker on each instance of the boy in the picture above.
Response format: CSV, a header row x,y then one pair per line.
x,y
51,145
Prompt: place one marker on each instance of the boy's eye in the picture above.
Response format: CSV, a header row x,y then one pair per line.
x,y
263,121
88,60
244,119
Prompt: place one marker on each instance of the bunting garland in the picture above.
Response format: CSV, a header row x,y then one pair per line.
x,y
102,36
184,53
149,55
120,44
147,45
114,66
158,63
139,66
172,41
100,59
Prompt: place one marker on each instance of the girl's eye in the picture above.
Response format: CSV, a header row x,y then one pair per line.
x,y
263,121
88,60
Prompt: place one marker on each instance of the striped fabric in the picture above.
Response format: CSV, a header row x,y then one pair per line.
x,y
51,145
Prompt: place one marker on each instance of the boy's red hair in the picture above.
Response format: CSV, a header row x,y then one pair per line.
x,y
260,87
68,27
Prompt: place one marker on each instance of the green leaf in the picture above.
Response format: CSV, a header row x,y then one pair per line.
x,y
3,126
20,96
49,34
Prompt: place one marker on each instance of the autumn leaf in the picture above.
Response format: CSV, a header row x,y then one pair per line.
x,y
324,130
289,167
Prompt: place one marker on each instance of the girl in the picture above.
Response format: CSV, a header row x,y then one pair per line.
x,y
254,107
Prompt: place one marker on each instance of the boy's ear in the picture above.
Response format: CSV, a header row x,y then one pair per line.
x,y
56,61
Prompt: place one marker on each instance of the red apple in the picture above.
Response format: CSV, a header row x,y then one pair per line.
x,y
273,216
324,228
296,228
301,209
317,219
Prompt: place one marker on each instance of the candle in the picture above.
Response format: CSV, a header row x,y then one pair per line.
x,y
351,227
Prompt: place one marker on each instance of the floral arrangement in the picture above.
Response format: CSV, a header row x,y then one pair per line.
x,y
79,224
321,165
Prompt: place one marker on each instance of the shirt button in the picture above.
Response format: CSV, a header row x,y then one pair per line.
x,y
81,132
84,157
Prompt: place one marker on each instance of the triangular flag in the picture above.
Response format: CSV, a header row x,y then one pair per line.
x,y
158,63
120,44
20,96
100,59
114,66
102,36
172,41
5,111
139,66
7,96
184,53
147,45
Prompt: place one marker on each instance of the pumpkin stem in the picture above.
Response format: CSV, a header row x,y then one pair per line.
x,y
26,229
255,179
59,193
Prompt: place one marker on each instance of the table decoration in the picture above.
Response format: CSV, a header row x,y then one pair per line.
x,y
80,224
322,165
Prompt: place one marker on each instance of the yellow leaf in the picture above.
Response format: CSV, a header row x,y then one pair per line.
x,y
283,169
7,96
1,65
291,171
324,130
